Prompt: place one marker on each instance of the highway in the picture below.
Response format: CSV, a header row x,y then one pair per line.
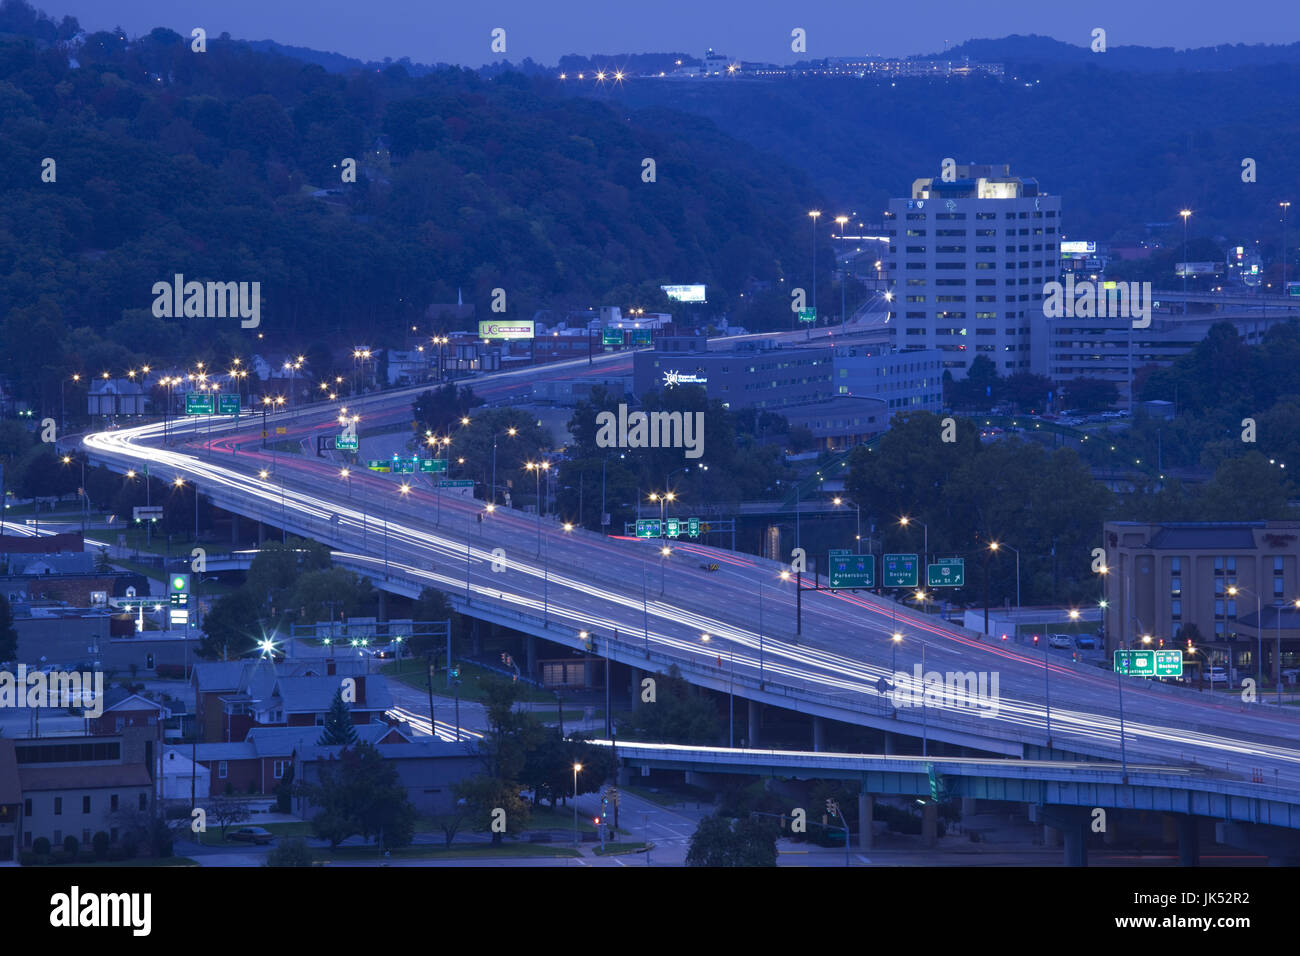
x,y
579,580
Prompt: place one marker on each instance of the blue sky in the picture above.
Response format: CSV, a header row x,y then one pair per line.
x,y
457,31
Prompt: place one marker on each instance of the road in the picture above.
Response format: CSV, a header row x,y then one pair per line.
x,y
578,580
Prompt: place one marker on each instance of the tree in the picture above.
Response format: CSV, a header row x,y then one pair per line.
x,y
228,812
1246,489
291,851
494,806
338,730
452,820
681,714
318,593
8,633
360,795
1089,394
232,627
722,841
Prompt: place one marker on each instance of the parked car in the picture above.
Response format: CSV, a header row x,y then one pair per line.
x,y
258,835
1218,675
1059,641
1086,642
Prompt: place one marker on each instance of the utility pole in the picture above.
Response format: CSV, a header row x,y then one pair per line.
x,y
433,727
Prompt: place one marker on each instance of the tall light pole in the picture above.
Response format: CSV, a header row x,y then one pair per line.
x,y
1259,632
576,768
905,521
509,431
663,499
1285,206
994,546
814,214
844,269
537,467
837,501
664,552
731,693
893,664
1185,214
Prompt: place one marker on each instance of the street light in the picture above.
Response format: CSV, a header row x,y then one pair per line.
x,y
1233,591
814,214
837,501
1285,206
512,431
663,499
576,768
994,546
844,272
1185,214
537,468
893,664
905,521
664,552
731,692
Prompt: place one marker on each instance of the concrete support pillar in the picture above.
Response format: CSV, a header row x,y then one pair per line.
x,y
969,806
634,685
1111,836
624,776
930,823
234,529
866,808
1076,844
383,605
755,720
1051,836
1169,829
1189,841
261,533
478,648
530,654
819,734
891,745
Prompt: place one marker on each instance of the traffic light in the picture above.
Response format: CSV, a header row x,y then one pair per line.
x,y
1035,640
455,673
596,820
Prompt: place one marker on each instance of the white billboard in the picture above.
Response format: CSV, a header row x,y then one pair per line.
x,y
1079,248
684,293
505,330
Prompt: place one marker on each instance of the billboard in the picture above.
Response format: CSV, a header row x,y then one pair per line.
x,y
1078,248
505,330
684,293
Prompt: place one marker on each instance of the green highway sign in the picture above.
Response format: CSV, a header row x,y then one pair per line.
x,y
433,464
642,337
899,570
377,464
946,573
1149,663
611,337
346,442
198,403
693,527
647,527
838,551
674,527
228,404
456,483
403,466
853,570
807,315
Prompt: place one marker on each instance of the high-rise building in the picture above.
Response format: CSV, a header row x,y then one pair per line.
x,y
969,254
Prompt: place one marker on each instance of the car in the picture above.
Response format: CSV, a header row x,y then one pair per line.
x,y
1059,641
1085,642
1216,675
258,835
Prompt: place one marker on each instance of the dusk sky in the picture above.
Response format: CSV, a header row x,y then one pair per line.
x,y
457,32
